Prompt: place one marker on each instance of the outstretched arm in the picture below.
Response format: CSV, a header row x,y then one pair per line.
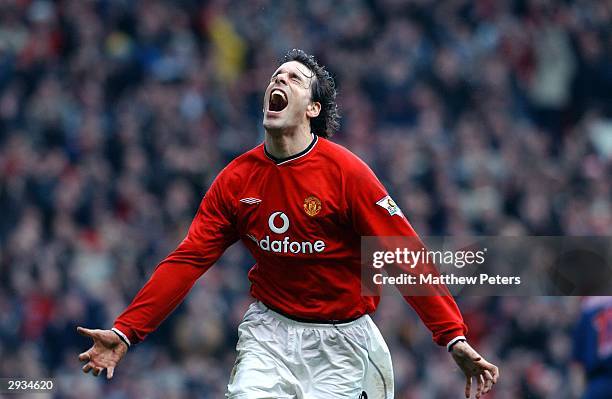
x,y
210,233
374,213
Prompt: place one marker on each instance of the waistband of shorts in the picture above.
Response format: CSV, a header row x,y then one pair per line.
x,y
310,323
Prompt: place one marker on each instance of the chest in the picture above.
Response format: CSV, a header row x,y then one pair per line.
x,y
303,204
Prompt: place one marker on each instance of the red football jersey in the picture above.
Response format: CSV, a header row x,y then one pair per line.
x,y
302,219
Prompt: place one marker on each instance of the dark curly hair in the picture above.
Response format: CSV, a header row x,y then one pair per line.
x,y
323,90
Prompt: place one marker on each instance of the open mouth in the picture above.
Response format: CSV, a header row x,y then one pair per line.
x,y
278,101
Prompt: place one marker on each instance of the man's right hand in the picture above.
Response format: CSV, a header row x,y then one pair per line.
x,y
107,350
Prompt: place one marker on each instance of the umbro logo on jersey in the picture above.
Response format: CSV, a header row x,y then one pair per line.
x,y
250,201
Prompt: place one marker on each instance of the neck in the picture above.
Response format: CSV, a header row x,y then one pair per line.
x,y
285,144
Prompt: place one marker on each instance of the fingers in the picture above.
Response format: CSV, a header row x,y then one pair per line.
x,y
90,366
96,371
85,356
488,378
468,386
86,332
490,371
495,372
479,386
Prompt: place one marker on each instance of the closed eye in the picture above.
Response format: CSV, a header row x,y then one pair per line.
x,y
292,76
295,77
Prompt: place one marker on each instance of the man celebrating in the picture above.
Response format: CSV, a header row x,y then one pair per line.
x,y
300,204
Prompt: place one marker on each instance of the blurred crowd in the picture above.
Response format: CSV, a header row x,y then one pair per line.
x,y
481,117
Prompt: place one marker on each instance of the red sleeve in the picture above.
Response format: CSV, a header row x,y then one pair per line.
x,y
211,232
373,213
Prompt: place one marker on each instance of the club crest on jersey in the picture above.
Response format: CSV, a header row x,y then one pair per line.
x,y
390,206
312,205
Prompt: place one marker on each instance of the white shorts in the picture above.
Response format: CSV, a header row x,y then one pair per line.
x,y
282,358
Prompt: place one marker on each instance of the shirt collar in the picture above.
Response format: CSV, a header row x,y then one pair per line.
x,y
280,161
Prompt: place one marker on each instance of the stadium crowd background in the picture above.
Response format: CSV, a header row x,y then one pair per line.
x,y
481,117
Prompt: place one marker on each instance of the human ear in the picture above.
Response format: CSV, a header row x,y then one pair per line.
x,y
313,110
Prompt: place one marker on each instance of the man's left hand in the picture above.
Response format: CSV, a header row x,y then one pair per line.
x,y
474,366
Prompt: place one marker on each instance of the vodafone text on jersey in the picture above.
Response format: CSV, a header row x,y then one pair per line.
x,y
279,224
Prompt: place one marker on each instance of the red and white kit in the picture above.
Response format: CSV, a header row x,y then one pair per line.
x,y
302,219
